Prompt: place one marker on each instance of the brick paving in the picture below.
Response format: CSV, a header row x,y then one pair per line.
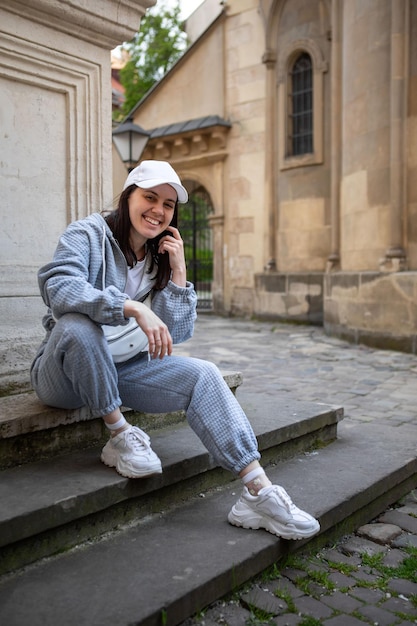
x,y
364,578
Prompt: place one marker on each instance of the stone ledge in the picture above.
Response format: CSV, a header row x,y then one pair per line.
x,y
29,429
107,23
24,413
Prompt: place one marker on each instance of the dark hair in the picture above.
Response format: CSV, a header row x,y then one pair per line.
x,y
120,225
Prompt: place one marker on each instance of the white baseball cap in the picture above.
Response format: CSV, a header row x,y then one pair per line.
x,y
152,173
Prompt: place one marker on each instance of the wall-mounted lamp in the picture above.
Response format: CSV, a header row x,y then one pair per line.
x,y
130,141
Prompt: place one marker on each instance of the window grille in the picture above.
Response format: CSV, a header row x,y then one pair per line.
x,y
300,119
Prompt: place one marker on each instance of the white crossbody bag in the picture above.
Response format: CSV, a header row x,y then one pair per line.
x,y
125,341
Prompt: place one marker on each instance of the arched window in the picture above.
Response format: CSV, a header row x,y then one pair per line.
x,y
301,70
300,107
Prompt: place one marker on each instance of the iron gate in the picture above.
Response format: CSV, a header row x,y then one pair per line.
x,y
197,236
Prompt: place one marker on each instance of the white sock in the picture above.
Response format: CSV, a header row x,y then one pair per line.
x,y
255,480
255,473
117,425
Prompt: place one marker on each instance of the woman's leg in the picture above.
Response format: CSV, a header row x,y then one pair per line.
x,y
198,388
75,368
215,415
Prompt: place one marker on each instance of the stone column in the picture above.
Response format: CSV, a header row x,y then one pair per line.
x,y
56,145
395,256
269,58
336,137
216,223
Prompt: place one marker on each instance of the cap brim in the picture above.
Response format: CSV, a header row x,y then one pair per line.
x,y
182,193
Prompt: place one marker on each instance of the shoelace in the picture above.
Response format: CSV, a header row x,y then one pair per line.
x,y
138,439
283,495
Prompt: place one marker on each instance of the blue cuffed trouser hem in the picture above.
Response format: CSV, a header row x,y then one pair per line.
x,y
197,387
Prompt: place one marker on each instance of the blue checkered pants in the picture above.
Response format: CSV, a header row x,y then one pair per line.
x,y
74,368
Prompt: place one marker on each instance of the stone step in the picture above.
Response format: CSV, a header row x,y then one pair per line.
x,y
29,429
171,565
52,505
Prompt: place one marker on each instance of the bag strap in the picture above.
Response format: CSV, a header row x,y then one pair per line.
x,y
146,299
103,259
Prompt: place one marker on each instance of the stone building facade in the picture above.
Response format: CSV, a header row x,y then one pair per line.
x,y
325,234
318,232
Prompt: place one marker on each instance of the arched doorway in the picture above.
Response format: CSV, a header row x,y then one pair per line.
x,y
193,223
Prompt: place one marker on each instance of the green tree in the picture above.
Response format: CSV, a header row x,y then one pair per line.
x,y
158,44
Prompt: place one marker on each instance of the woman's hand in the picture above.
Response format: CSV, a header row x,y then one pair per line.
x,y
159,337
174,246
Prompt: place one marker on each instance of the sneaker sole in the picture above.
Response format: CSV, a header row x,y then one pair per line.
x,y
127,473
273,527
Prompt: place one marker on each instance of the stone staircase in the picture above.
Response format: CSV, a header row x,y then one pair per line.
x,y
80,544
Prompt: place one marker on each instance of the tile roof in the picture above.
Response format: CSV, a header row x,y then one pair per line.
x,y
189,125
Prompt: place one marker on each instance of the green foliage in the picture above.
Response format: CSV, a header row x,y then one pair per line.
x,y
343,568
158,44
287,597
258,617
408,568
270,573
202,260
321,578
373,561
164,617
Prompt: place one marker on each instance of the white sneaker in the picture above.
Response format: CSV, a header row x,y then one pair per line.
x,y
273,510
131,454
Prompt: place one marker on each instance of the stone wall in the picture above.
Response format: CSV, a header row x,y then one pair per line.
x,y
373,308
55,148
290,297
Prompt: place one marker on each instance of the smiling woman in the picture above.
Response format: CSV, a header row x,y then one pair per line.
x,y
130,265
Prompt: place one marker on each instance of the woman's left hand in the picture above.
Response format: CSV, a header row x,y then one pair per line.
x,y
174,246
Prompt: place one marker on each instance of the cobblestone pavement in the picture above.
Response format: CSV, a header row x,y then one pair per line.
x,y
366,578
306,364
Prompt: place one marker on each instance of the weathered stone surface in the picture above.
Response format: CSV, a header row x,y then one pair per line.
x,y
264,600
356,545
406,522
354,308
376,615
405,540
342,602
402,586
313,607
381,533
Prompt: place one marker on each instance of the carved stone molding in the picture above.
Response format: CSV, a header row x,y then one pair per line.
x,y
106,23
269,57
216,221
210,143
295,47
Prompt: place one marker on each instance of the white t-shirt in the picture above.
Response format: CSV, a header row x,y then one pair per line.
x,y
134,278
